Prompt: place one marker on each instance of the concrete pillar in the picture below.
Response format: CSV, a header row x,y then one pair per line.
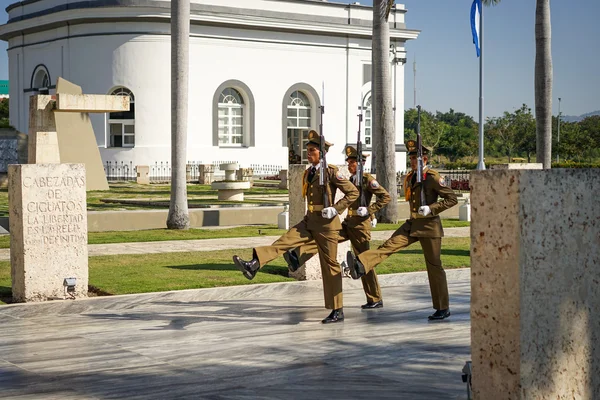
x,y
43,148
48,230
205,174
535,282
283,175
143,174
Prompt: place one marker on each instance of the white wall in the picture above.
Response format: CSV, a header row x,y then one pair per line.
x,y
268,62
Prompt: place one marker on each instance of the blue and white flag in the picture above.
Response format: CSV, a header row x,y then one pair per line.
x,y
475,18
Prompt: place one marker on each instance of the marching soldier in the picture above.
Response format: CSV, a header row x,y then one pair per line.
x,y
424,226
356,228
319,225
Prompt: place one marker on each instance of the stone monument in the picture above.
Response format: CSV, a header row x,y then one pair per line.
x,y
47,205
311,270
48,230
535,283
75,134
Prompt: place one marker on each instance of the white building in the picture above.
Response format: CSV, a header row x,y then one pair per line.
x,y
257,68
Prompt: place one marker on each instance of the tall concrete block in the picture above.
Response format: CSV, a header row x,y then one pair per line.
x,y
311,270
143,174
48,230
535,263
205,174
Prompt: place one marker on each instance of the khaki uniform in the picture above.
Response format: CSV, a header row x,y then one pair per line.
x,y
427,230
324,232
357,229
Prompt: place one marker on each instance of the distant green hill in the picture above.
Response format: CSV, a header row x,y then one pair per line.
x,y
577,118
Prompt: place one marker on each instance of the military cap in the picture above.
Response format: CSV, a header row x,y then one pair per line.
x,y
315,138
411,145
351,152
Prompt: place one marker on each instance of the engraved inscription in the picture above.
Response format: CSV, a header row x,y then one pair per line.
x,y
54,219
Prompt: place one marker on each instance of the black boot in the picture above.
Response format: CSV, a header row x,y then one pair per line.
x,y
376,304
356,268
248,268
335,316
292,260
440,314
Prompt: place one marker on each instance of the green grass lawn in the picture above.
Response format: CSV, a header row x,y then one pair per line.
x,y
197,194
123,274
155,235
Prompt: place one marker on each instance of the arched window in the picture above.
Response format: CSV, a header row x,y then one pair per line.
x,y
368,119
231,118
121,125
233,115
40,79
298,125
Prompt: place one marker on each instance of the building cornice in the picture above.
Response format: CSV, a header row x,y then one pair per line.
x,y
138,10
319,2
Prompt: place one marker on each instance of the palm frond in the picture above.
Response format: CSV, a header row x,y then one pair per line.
x,y
390,3
385,7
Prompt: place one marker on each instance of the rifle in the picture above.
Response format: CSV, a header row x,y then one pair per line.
x,y
420,158
324,175
359,162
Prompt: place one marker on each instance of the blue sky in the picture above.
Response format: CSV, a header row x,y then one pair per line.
x,y
447,67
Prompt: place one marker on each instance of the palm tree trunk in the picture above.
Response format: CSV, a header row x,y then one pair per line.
x,y
178,217
383,115
543,83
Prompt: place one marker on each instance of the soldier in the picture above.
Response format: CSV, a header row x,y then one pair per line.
x,y
319,225
356,228
424,226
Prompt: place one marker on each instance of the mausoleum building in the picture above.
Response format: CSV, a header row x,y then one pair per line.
x,y
259,71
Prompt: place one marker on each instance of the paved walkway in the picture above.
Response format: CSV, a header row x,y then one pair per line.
x,y
243,342
173,246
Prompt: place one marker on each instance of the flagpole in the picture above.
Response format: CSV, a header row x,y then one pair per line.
x,y
481,163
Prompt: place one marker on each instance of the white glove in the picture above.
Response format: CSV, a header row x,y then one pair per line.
x,y
373,222
329,212
362,211
424,210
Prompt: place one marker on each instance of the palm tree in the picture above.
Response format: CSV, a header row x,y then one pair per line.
x,y
543,80
383,115
178,217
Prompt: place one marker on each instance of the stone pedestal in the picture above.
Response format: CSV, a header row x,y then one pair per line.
x,y
535,257
232,191
312,268
246,175
48,226
230,170
205,174
283,175
143,174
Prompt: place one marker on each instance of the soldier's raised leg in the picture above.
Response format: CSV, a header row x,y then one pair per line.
x,y
300,255
365,262
296,236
